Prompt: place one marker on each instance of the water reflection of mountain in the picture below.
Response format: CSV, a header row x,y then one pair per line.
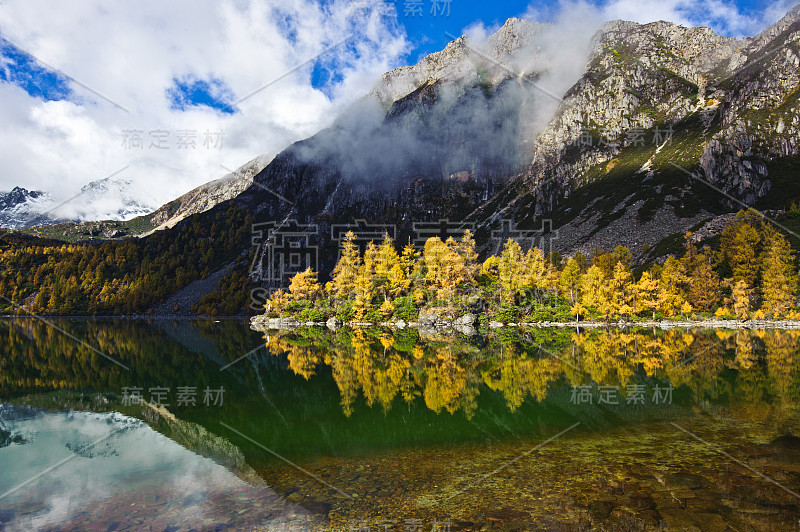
x,y
314,390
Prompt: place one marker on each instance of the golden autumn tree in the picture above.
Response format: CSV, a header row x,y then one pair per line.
x,y
444,267
779,279
278,301
604,261
364,286
389,274
647,291
510,271
621,290
304,285
739,242
593,288
469,255
673,279
741,293
569,280
347,269
704,286
536,271
489,269
412,269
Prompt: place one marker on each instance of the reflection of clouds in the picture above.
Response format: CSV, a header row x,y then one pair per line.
x,y
134,466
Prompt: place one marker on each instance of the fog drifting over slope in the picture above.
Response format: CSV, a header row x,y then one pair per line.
x,y
474,107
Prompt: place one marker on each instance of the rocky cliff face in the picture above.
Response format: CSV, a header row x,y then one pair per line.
x,y
207,196
659,104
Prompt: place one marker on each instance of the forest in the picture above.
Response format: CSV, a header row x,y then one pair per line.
x,y
748,271
751,274
119,277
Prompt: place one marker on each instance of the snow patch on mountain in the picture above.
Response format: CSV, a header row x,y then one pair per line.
x,y
105,199
23,208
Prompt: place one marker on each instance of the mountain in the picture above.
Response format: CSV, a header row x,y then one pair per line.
x,y
208,195
132,218
109,199
20,206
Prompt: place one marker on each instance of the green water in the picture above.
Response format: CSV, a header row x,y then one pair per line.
x,y
511,430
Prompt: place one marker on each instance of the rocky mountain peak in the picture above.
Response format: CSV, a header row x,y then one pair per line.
x,y
17,196
776,29
20,206
459,61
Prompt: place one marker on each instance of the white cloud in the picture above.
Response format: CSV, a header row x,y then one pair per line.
x,y
724,17
478,32
131,53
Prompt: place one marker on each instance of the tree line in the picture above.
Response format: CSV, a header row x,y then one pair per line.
x,y
750,274
122,277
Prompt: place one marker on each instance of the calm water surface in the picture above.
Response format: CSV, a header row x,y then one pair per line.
x,y
380,430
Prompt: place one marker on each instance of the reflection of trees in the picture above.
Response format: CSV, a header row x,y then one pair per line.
x,y
516,375
447,384
39,358
447,372
303,359
780,350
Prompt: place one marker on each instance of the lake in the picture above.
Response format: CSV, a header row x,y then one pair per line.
x,y
112,424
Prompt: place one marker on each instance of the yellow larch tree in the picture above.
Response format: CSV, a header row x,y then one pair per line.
x,y
670,295
569,280
364,285
741,294
347,269
510,271
647,290
779,279
621,290
304,285
593,288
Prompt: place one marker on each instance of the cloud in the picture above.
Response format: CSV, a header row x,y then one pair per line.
x,y
478,32
171,65
724,17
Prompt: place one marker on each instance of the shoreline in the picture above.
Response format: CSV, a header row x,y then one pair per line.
x,y
467,324
261,322
126,317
